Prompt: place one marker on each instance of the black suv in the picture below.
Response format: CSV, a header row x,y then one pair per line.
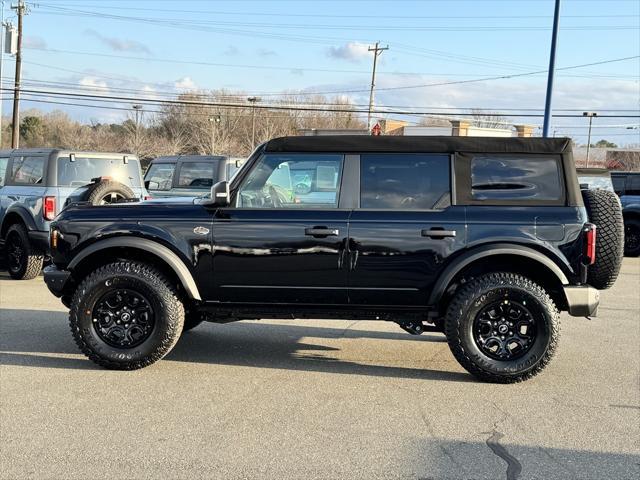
x,y
484,239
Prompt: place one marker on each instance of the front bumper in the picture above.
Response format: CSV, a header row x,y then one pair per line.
x,y
56,279
582,301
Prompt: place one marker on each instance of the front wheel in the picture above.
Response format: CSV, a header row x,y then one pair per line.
x,y
502,327
126,315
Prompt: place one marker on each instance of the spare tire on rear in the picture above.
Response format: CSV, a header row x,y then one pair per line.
x,y
605,211
108,191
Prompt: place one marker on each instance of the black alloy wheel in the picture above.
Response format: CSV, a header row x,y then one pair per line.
x,y
504,330
123,318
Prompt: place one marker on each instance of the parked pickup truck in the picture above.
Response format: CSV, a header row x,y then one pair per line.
x,y
484,239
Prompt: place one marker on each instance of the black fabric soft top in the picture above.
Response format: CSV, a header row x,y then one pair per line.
x,y
418,144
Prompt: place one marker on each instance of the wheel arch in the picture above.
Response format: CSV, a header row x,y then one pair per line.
x,y
504,257
17,215
136,249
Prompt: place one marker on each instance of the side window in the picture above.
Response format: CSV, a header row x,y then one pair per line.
x,y
160,176
293,181
196,174
4,161
618,183
515,178
27,170
405,181
633,185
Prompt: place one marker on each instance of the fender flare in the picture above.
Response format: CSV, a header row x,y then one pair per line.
x,y
466,259
24,215
155,248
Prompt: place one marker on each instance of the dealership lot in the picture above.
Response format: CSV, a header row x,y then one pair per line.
x,y
316,399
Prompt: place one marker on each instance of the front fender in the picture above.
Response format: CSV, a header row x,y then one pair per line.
x,y
150,246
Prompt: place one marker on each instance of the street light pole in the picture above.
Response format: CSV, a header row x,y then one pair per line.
x,y
590,115
552,67
253,101
137,108
214,121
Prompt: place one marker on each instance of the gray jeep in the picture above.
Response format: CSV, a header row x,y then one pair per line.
x,y
36,184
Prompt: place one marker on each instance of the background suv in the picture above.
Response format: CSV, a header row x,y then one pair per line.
x,y
188,175
35,185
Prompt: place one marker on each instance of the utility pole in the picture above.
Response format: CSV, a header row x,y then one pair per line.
x,y
15,131
590,115
377,51
214,123
552,68
253,101
2,35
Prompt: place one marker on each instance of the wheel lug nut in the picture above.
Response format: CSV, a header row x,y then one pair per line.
x,y
495,333
502,337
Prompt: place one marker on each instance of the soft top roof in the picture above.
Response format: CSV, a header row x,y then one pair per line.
x,y
417,144
188,158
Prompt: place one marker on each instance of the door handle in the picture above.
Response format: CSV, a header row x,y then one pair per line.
x,y
321,232
435,233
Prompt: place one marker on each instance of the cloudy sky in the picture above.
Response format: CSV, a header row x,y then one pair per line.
x,y
440,48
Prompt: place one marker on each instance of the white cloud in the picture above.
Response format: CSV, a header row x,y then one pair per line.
x,y
94,84
185,83
120,44
351,51
37,43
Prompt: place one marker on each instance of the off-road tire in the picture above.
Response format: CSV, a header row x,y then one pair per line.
x,y
632,230
605,212
168,310
31,260
479,292
97,192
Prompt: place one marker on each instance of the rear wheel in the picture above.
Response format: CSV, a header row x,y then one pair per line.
x,y
632,237
24,262
125,316
502,327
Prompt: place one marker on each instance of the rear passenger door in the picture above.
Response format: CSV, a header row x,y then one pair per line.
x,y
404,229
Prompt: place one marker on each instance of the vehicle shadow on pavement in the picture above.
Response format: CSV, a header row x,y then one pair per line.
x,y
278,346
37,338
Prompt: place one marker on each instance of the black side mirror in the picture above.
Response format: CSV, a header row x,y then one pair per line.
x,y
220,195
147,183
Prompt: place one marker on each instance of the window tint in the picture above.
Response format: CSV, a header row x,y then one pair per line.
x,y
3,169
293,181
197,174
27,170
83,169
618,183
407,182
633,185
160,176
515,178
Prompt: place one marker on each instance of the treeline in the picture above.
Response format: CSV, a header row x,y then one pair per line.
x,y
192,127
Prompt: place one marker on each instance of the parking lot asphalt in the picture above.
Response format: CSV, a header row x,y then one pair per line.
x,y
316,399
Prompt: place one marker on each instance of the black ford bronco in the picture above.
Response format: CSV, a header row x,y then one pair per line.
x,y
483,239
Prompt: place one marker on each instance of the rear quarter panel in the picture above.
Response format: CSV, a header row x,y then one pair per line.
x,y
554,231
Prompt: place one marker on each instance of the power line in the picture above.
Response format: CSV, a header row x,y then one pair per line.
x,y
307,108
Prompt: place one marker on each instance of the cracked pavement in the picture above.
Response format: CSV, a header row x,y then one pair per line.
x,y
316,399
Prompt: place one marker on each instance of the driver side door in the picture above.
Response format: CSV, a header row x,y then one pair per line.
x,y
283,240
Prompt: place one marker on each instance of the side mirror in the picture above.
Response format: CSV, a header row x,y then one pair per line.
x,y
220,195
147,183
